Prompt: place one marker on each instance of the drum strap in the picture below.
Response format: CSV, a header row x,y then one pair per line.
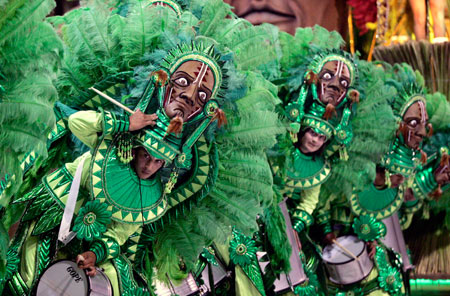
x,y
64,234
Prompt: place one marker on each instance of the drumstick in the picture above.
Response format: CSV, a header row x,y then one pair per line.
x,y
345,250
112,100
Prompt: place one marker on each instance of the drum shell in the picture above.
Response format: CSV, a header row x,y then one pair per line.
x,y
349,271
220,275
97,285
188,287
297,275
394,239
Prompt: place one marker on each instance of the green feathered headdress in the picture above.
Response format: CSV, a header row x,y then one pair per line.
x,y
317,114
409,85
161,141
175,5
197,51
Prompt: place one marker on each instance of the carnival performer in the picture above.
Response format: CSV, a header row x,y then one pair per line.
x,y
378,204
330,92
320,83
430,182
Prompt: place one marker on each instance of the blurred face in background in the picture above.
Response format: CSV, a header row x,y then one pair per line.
x,y
291,14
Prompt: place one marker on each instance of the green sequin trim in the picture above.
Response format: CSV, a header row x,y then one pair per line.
x,y
243,253
98,249
424,183
368,228
401,159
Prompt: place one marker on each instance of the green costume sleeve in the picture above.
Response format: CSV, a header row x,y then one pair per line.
x,y
424,183
323,216
308,202
108,247
86,125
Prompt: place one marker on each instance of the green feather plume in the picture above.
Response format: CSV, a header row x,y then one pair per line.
x,y
143,30
29,52
19,16
438,109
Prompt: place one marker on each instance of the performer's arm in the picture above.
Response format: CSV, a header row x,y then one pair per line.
x,y
302,215
108,247
323,216
88,125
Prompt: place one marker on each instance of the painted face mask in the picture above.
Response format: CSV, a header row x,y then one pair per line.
x,y
414,126
189,89
334,81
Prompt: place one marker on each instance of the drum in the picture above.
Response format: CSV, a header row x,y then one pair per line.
x,y
219,274
287,282
342,266
187,287
394,239
66,278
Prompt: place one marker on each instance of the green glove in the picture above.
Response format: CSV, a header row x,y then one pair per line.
x,y
298,225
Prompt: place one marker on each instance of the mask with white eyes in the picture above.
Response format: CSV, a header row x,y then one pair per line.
x,y
189,89
414,126
333,82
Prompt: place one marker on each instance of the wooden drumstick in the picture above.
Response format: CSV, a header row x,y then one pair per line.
x,y
345,249
112,100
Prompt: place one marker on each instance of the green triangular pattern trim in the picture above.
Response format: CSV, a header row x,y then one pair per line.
x,y
117,185
377,203
304,172
201,169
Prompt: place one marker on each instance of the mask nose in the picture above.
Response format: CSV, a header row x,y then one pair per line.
x,y
422,130
189,93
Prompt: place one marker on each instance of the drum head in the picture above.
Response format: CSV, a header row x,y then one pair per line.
x,y
63,278
333,254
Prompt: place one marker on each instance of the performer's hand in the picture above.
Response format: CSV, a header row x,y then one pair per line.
x,y
409,195
139,120
372,248
329,238
442,175
396,180
87,261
